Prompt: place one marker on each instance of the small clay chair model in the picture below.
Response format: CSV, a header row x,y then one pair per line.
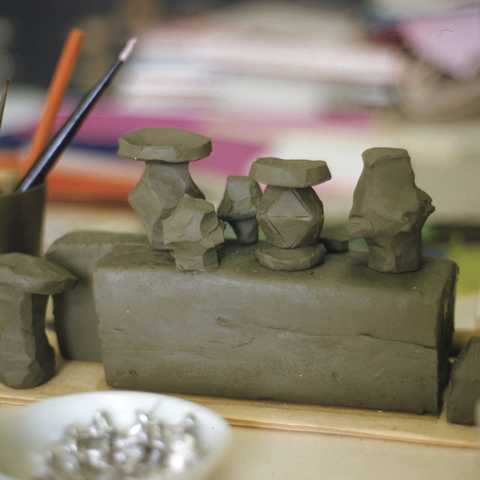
x,y
239,207
194,232
166,153
26,358
389,211
290,212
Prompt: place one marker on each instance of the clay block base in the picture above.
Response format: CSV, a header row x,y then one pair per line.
x,y
338,334
464,389
75,318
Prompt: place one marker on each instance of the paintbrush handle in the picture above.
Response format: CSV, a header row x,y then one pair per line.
x,y
49,156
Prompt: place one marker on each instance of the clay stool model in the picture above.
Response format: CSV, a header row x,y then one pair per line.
x,y
389,211
26,358
239,208
464,389
166,153
290,212
194,232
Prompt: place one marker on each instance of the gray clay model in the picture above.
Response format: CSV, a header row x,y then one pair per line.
x,y
290,213
194,232
239,207
166,153
389,211
337,334
76,321
464,390
26,358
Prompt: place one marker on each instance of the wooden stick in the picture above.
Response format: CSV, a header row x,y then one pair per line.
x,y
58,85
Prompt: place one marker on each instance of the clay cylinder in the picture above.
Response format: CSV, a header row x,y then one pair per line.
x,y
21,221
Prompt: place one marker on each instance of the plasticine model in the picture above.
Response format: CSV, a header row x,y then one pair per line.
x,y
290,213
166,179
292,328
389,211
194,232
26,357
464,390
297,317
76,322
239,208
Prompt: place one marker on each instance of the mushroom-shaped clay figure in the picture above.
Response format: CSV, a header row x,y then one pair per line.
x,y
239,207
389,211
26,358
194,232
290,212
166,179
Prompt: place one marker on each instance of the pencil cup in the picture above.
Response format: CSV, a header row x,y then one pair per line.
x,y
21,221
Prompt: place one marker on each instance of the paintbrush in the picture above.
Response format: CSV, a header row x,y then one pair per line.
x,y
47,159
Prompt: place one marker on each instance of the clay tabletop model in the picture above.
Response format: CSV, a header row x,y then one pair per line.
x,y
239,207
194,232
26,358
464,390
389,211
290,213
76,322
166,153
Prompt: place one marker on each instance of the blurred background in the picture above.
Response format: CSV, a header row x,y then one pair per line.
x,y
304,79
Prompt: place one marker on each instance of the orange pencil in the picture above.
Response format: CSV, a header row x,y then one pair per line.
x,y
58,85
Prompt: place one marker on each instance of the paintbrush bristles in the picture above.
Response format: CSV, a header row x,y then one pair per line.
x,y
125,53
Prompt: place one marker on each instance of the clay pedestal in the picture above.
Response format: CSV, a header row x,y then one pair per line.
x,y
166,179
290,212
338,334
75,318
26,358
389,211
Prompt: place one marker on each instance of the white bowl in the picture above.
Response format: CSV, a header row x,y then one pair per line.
x,y
27,432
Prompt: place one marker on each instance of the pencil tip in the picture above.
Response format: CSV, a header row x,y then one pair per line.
x,y
127,50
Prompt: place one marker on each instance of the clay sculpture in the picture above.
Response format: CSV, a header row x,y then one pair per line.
x,y
290,213
166,179
76,321
194,232
337,334
464,390
239,208
389,211
26,358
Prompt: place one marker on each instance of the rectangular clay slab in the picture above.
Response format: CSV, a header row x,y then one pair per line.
x,y
339,334
75,318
